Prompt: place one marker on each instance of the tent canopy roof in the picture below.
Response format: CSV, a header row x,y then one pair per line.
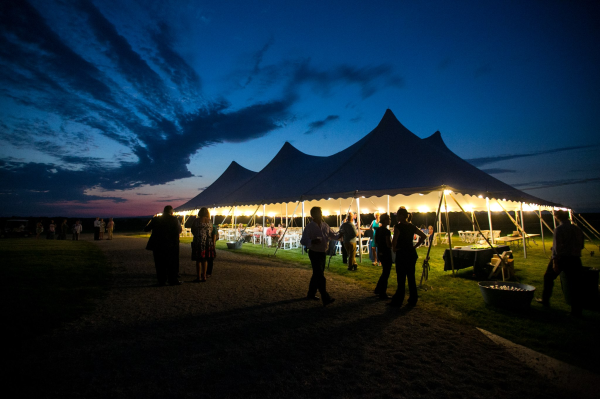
x,y
404,164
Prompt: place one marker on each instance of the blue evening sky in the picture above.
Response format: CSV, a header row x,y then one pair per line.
x,y
117,108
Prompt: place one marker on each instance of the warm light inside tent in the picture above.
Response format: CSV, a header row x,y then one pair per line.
x,y
326,213
447,192
495,208
423,209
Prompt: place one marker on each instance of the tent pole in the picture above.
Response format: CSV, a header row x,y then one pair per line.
x,y
302,225
262,240
554,218
286,216
487,203
358,225
286,227
472,220
425,273
388,205
439,226
214,214
448,232
542,230
524,233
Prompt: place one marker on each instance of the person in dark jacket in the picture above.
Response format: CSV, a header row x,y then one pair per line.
x,y
406,257
164,243
566,257
383,246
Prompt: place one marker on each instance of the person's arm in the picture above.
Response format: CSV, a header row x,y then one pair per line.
x,y
306,240
388,242
422,237
150,225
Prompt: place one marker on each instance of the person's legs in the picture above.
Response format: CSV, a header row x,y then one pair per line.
x,y
383,280
549,278
198,270
574,274
351,249
173,265
317,261
344,253
161,266
398,297
412,284
204,267
313,285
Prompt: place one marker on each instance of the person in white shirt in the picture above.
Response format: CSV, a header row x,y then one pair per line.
x,y
316,237
97,229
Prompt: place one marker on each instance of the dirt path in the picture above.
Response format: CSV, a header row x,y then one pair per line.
x,y
247,332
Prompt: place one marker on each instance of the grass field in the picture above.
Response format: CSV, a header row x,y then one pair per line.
x,y
550,331
45,283
48,282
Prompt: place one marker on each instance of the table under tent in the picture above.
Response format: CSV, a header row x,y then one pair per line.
x,y
293,182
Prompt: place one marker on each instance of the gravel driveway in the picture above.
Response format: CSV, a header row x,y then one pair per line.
x,y
247,332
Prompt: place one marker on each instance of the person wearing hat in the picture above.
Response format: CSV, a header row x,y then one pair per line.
x,y
406,257
566,257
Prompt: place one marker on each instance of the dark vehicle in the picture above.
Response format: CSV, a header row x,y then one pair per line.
x,y
17,228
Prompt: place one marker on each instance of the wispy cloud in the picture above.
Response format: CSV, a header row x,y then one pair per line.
x,y
487,160
496,171
536,185
313,126
144,99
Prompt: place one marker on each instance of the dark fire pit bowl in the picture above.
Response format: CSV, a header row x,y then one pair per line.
x,y
507,299
234,245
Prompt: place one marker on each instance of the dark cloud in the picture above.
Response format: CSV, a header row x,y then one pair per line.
x,y
496,171
498,158
536,185
369,79
313,126
130,101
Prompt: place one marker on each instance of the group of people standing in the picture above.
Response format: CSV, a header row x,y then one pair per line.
x,y
100,227
316,237
164,244
58,232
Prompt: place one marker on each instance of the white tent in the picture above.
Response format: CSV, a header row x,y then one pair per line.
x,y
407,171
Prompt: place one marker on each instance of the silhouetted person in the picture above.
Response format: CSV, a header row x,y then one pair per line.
x,y
97,229
164,243
316,237
203,247
566,257
39,229
110,226
64,229
77,230
51,230
350,234
406,257
383,242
